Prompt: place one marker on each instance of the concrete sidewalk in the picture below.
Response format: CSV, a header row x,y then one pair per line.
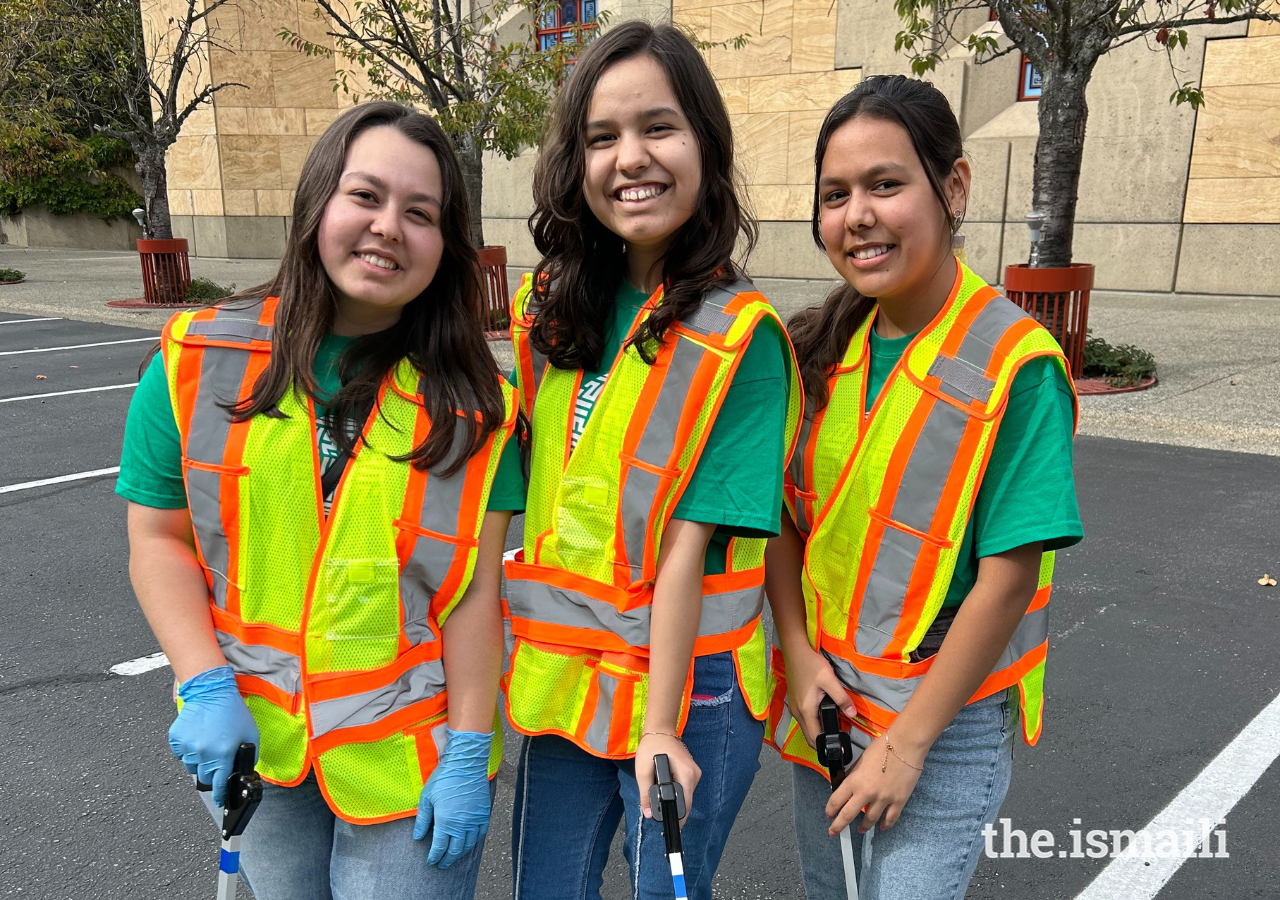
x,y
1218,357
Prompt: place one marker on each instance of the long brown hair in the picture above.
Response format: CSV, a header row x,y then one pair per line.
x,y
582,261
440,331
821,334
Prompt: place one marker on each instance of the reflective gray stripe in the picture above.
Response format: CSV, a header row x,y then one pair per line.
x,y
221,373
655,447
886,590
597,733
986,330
893,693
429,564
422,682
271,665
710,318
228,325
967,382
931,461
539,369
722,613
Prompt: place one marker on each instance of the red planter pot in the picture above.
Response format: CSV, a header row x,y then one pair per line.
x,y
166,276
497,300
1059,300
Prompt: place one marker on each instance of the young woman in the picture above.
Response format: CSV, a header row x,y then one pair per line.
x,y
663,405
308,467
930,488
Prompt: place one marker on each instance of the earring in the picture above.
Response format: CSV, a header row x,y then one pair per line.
x,y
957,214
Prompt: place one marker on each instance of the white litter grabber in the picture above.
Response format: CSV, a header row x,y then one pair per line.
x,y
835,751
244,793
666,800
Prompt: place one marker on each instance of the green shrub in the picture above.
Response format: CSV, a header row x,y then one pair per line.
x,y
206,290
64,174
11,275
1123,365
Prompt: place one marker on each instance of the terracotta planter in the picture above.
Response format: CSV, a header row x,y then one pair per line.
x,y
166,276
1059,300
497,300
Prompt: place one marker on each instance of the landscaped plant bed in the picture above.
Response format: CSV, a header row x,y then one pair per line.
x,y
1093,386
12,276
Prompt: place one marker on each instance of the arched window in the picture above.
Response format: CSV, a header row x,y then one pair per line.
x,y
559,21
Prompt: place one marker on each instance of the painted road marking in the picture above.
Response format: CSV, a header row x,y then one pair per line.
x,y
1213,794
79,346
140,665
109,387
61,479
25,321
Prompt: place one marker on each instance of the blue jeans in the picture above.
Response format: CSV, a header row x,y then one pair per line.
x,y
568,802
295,848
931,852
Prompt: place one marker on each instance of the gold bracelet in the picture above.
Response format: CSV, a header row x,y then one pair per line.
x,y
664,734
888,748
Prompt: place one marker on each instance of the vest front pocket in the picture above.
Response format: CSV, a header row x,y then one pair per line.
x,y
354,622
216,495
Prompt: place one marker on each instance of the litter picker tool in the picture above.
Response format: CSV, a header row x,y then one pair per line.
x,y
244,793
835,751
666,799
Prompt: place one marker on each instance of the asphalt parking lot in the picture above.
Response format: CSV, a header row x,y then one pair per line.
x,y
1164,650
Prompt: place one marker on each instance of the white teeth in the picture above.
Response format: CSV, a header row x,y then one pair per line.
x,y
641,193
871,252
378,261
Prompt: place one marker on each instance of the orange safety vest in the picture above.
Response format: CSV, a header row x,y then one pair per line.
x,y
332,625
883,500
579,592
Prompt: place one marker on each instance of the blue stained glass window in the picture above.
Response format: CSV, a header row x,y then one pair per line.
x,y
589,10
1030,87
568,12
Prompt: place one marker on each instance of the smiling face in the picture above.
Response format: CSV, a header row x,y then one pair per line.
x,y
882,224
380,240
643,168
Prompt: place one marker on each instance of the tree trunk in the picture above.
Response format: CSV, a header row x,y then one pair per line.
x,y
471,157
1059,150
155,192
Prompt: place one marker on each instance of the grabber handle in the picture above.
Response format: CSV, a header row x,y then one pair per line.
x,y
666,800
244,791
834,746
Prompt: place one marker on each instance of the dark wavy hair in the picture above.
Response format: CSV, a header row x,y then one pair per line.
x,y
582,261
821,333
441,331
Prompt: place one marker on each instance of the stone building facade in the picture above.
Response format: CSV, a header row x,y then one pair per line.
x,y
1170,199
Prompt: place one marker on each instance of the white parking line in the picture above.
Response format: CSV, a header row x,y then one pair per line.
x,y
79,346
27,485
1213,794
109,387
140,665
25,321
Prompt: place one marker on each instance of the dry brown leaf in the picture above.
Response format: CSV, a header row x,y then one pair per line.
x,y
42,377
1267,581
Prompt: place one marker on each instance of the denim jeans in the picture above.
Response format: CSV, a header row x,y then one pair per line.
x,y
295,848
932,851
568,803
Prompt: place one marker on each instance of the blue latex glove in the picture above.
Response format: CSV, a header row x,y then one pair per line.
x,y
456,798
210,728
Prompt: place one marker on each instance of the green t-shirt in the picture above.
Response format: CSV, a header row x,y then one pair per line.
x,y
1028,491
737,484
151,460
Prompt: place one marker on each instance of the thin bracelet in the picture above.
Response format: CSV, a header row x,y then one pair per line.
x,y
888,748
664,734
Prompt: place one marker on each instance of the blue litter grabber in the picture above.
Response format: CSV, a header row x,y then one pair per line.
x,y
244,793
666,800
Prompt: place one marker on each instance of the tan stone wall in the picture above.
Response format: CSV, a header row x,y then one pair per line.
x,y
778,88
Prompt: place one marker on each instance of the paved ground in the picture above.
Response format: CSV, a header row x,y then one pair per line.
x,y
1163,649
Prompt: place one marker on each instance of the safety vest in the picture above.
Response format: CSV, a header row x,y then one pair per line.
x,y
579,592
883,500
333,626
